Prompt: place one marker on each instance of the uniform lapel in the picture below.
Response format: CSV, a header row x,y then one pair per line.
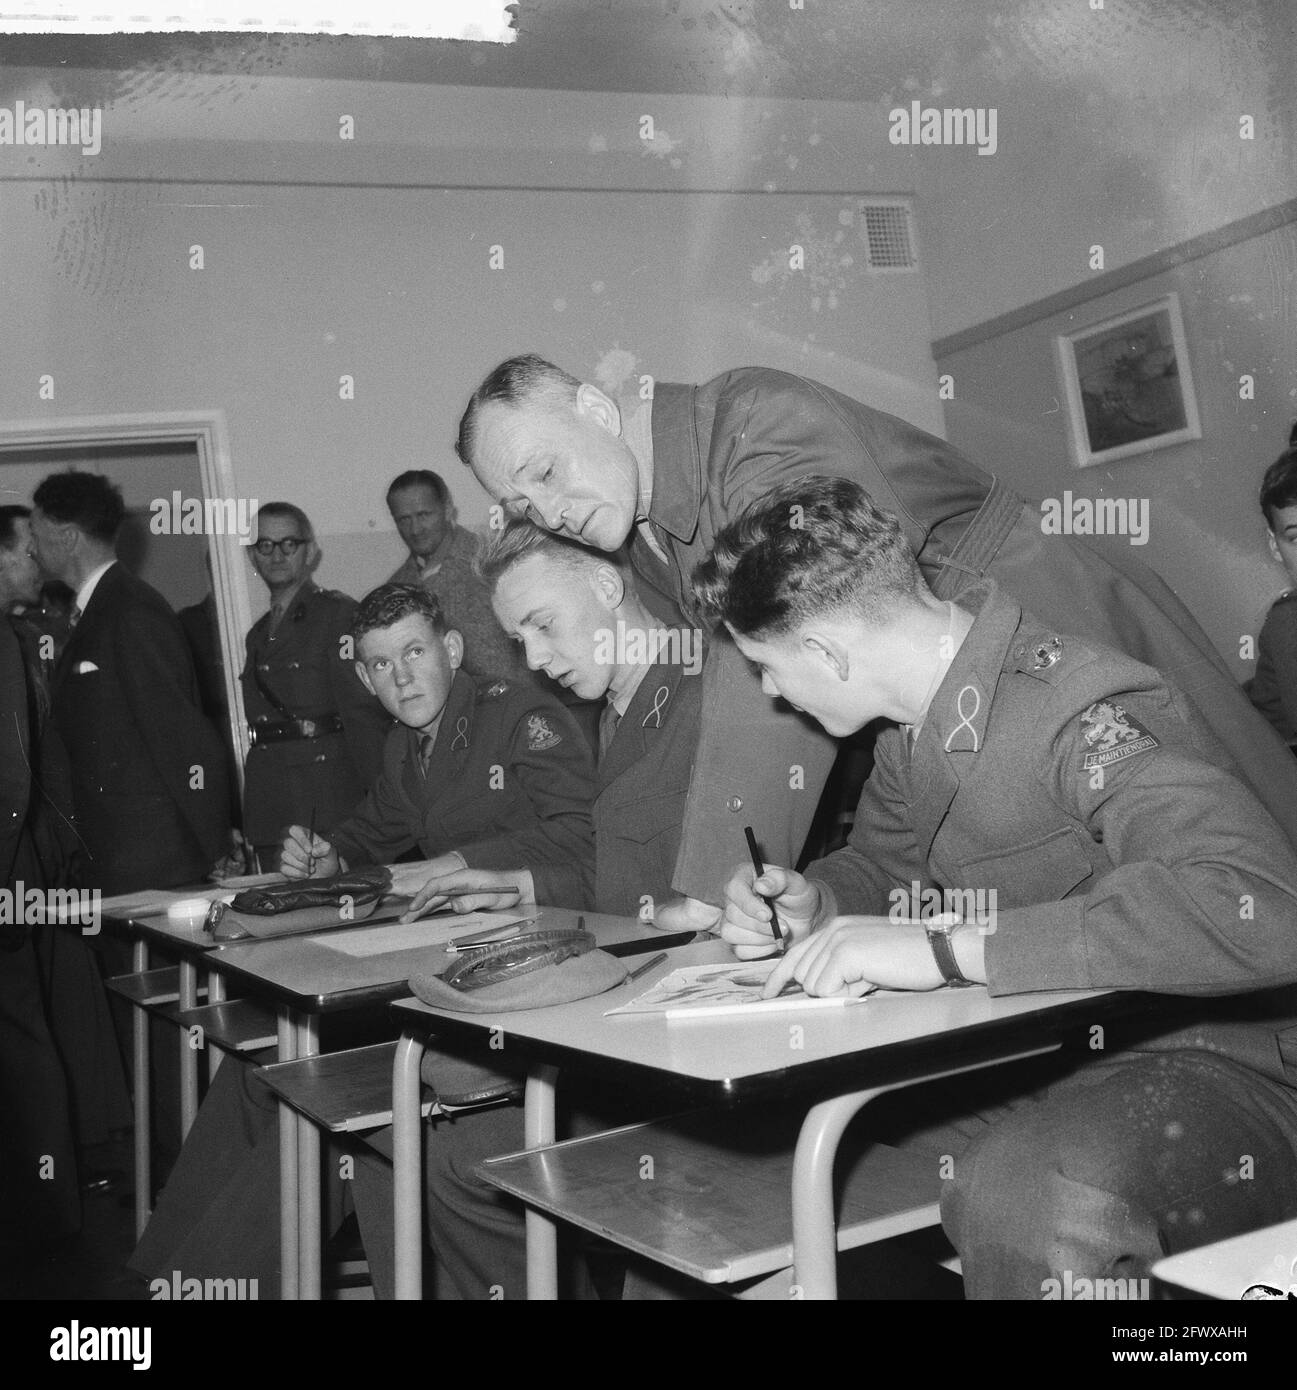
x,y
451,751
648,710
954,732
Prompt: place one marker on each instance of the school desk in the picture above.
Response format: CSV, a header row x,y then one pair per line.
x,y
850,1054
1229,1267
306,977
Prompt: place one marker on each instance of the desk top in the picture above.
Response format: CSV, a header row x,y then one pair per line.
x,y
876,1039
1224,1270
326,971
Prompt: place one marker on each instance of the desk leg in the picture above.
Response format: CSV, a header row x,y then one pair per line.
x,y
188,1055
287,1170
407,1168
815,1234
308,1178
140,1063
542,1233
215,994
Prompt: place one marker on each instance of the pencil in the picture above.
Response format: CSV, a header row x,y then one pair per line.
x,y
310,845
761,868
647,966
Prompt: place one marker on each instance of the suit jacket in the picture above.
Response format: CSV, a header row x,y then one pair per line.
x,y
148,783
509,786
719,446
643,781
307,664
1086,791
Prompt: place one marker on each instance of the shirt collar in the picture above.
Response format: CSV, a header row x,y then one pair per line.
x,y
621,702
91,582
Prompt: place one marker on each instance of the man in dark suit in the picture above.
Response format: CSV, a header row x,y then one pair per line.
x,y
149,794
663,475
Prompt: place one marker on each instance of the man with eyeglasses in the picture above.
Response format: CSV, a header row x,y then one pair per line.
x,y
317,732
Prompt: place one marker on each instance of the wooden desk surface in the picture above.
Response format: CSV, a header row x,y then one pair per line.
x,y
314,974
1225,1269
875,1039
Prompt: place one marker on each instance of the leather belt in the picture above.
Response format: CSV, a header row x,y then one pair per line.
x,y
285,730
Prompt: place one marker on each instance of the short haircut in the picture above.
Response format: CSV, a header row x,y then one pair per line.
x,y
9,518
520,540
89,501
517,381
421,477
810,547
389,603
293,512
1279,486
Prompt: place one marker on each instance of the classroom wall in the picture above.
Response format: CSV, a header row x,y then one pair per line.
x,y
629,269
1206,536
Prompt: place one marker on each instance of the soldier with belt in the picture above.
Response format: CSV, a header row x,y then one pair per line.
x,y
1044,814
317,733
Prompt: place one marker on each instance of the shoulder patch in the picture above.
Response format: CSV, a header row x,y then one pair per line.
x,y
539,734
1112,735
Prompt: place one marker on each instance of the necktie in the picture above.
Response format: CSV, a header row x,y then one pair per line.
x,y
426,744
276,617
608,721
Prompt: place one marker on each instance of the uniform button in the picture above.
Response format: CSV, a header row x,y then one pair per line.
x,y
735,803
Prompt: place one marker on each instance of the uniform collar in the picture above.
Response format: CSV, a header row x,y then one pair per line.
x,y
647,711
455,727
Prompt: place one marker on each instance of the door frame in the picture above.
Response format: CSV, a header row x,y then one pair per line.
x,y
206,431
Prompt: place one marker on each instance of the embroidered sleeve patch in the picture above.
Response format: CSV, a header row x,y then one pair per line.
x,y
539,734
1112,735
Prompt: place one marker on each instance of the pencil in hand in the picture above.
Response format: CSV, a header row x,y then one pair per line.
x,y
310,846
776,927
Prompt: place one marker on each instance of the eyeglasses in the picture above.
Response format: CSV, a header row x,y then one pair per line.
x,y
286,547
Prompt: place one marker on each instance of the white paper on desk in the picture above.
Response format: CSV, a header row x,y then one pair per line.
x,y
697,991
405,936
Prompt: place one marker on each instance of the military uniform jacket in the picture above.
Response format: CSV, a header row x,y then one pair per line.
x,y
509,786
309,666
1083,788
147,771
719,446
643,780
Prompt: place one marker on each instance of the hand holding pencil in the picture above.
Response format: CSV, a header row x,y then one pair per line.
x,y
752,900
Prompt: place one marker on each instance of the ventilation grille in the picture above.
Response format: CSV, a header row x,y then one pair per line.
x,y
888,233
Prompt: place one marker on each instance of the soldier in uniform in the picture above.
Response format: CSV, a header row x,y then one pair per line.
x,y
663,475
1084,791
582,623
317,732
489,777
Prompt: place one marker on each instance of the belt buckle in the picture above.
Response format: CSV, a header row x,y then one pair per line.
x,y
308,727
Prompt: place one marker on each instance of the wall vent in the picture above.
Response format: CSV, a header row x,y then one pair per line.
x,y
887,230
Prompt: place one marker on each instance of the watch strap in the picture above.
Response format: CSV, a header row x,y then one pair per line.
x,y
944,953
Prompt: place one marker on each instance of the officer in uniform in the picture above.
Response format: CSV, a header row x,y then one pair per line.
x,y
317,734
1085,792
487,777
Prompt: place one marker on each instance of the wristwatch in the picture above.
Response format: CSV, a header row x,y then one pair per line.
x,y
939,933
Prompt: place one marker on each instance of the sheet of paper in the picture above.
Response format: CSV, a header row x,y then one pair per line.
x,y
697,991
406,936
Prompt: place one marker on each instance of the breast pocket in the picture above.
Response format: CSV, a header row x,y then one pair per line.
x,y
646,819
1041,871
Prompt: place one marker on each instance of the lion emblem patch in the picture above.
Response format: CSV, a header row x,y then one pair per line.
x,y
1112,735
539,735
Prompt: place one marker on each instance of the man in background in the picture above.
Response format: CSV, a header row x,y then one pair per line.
x,y
317,732
147,774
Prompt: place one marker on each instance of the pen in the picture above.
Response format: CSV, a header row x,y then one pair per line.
x,y
761,868
310,845
647,966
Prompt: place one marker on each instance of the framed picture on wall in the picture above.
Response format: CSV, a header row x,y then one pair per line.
x,y
1127,384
